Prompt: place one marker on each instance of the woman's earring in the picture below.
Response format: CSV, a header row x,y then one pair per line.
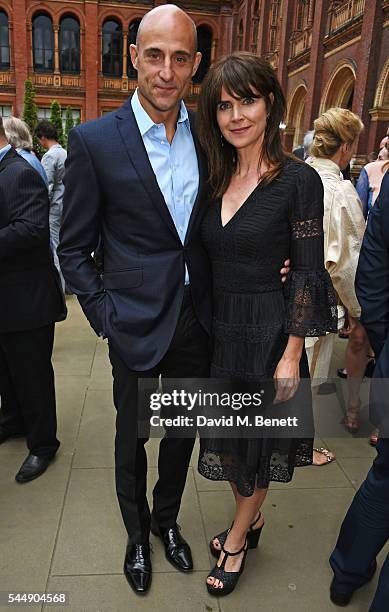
x,y
221,140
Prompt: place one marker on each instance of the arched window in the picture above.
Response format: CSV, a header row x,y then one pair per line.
x,y
240,36
112,49
204,45
43,43
4,41
132,32
255,27
69,45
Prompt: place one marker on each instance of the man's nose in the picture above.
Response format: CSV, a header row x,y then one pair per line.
x,y
167,70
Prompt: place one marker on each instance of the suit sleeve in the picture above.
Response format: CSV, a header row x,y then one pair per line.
x,y
28,210
80,231
362,188
372,278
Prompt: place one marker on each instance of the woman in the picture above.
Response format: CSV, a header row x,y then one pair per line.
x,y
334,144
264,207
18,135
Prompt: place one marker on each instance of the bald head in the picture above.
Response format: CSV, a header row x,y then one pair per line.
x,y
164,16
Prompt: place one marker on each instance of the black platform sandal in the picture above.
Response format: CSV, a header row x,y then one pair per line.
x,y
252,538
229,579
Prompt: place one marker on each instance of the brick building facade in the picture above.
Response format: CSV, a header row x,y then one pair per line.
x,y
326,52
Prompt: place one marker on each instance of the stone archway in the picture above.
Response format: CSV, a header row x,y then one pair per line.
x,y
380,112
339,90
381,99
295,118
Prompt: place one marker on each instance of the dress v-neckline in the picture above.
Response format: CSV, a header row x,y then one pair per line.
x,y
237,211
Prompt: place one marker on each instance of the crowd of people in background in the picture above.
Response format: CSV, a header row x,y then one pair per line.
x,y
51,222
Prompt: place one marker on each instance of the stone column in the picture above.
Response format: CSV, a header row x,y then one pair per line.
x,y
20,50
213,50
315,71
56,48
92,59
225,30
264,14
367,64
125,51
286,26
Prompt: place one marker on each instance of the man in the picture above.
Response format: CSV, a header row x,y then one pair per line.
x,y
127,183
18,136
303,150
365,529
53,162
31,301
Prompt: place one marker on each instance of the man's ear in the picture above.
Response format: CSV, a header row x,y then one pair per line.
x,y
197,61
134,55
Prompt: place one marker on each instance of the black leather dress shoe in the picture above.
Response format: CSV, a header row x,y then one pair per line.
x,y
338,598
177,550
343,599
137,567
31,468
4,435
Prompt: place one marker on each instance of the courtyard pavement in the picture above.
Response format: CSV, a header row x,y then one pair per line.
x,y
63,532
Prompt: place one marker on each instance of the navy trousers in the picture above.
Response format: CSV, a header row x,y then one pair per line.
x,y
364,532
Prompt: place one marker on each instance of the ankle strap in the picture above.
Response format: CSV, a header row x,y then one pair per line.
x,y
227,553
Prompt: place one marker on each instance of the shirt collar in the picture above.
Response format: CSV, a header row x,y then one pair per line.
x,y
325,164
143,119
4,151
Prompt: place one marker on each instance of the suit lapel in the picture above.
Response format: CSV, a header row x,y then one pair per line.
x,y
203,175
133,143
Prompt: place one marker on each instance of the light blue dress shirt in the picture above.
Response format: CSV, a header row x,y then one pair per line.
x,y
4,151
34,162
175,165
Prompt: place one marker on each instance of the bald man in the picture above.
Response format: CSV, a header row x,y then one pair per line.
x,y
136,179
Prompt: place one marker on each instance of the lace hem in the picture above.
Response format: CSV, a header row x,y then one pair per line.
x,y
277,466
311,304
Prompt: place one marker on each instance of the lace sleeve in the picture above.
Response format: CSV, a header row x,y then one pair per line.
x,y
311,300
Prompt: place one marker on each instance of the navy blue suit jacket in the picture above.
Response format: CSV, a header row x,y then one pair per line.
x,y
372,289
111,192
30,290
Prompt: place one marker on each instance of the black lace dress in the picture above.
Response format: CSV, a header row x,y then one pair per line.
x,y
254,312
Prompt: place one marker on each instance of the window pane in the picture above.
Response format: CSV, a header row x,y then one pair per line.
x,y
43,38
76,113
5,111
112,49
44,112
69,45
4,42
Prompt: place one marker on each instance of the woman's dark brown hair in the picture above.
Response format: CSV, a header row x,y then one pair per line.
x,y
243,75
